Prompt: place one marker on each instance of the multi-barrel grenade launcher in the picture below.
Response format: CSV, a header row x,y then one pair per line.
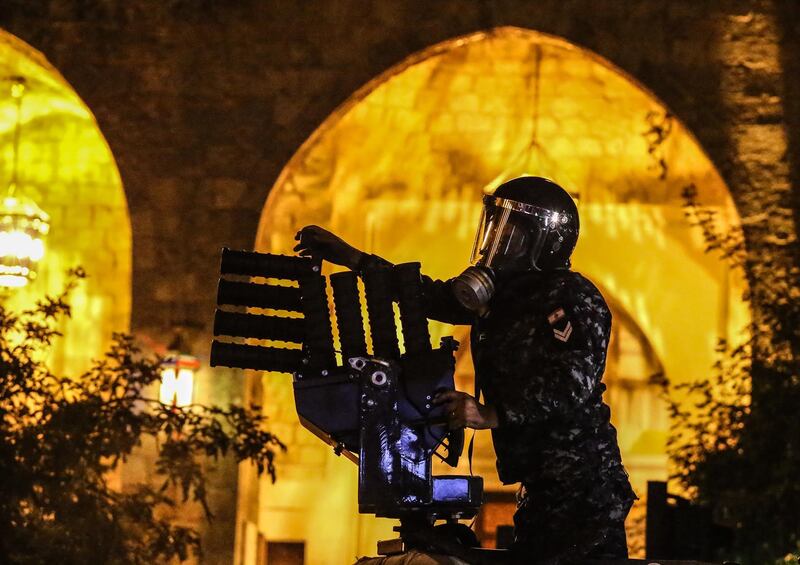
x,y
374,406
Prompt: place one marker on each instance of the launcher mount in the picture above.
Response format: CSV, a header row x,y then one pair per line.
x,y
373,408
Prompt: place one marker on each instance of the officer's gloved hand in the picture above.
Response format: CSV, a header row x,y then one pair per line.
x,y
319,243
464,411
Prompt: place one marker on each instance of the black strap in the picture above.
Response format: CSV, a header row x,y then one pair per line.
x,y
469,451
472,439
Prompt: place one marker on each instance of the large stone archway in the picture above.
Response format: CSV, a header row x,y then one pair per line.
x,y
66,166
398,170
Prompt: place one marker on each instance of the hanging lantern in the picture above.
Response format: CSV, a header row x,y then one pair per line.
x,y
23,225
177,379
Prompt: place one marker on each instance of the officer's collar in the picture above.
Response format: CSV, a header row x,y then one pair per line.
x,y
511,282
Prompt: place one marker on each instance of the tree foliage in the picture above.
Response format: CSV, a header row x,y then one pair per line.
x,y
735,438
61,438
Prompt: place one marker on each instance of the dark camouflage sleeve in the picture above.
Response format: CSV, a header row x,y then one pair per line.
x,y
558,355
440,302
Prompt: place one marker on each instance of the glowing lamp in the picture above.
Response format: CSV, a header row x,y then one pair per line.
x,y
177,379
23,224
23,227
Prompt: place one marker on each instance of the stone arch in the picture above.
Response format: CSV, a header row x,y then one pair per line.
x,y
399,168
66,166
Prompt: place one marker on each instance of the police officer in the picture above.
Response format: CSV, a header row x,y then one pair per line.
x,y
540,333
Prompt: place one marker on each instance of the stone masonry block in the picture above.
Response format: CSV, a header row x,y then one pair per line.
x,y
228,193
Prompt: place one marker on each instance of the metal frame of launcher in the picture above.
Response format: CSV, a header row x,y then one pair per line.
x,y
374,408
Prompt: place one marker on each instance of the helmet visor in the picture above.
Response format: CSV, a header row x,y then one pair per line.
x,y
511,233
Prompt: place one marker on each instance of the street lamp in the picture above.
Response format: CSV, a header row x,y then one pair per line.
x,y
23,225
177,379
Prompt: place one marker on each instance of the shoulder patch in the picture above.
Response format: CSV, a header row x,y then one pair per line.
x,y
563,335
561,331
555,316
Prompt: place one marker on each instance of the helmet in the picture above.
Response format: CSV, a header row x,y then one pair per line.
x,y
529,223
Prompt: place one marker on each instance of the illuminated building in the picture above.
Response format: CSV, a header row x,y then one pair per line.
x,y
399,170
178,119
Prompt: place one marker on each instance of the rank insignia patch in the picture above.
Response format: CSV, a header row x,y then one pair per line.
x,y
555,316
560,334
563,335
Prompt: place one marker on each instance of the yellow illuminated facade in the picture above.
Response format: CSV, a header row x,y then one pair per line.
x,y
67,170
399,170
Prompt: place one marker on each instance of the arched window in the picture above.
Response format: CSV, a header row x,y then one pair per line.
x,y
399,170
66,167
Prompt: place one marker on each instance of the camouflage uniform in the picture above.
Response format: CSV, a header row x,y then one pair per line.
x,y
539,356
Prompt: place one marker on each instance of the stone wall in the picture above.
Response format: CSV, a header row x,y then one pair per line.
x,y
204,101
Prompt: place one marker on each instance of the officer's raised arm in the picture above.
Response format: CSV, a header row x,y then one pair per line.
x,y
317,242
441,302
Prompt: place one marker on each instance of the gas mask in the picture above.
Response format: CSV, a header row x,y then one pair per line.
x,y
512,237
474,288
